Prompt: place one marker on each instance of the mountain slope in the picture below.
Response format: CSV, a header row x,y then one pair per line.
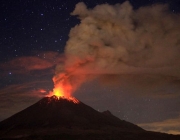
x,y
50,112
61,118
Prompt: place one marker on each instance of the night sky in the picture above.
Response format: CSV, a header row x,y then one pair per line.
x,y
33,36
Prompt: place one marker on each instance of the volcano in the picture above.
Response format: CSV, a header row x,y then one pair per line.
x,y
68,118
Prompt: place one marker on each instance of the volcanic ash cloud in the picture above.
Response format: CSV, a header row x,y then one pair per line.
x,y
116,39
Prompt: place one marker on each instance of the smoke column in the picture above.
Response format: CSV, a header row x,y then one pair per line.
x,y
116,39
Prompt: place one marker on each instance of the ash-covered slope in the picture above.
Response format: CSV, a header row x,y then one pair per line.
x,y
52,112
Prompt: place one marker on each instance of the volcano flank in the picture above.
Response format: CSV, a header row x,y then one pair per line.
x,y
62,118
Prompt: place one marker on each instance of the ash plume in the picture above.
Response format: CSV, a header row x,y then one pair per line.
x,y
116,39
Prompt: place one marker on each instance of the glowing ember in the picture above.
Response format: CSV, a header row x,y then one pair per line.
x,y
71,99
58,95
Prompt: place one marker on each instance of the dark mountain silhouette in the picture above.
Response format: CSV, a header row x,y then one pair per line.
x,y
53,118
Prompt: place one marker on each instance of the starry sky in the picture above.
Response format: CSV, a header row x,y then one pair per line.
x,y
33,37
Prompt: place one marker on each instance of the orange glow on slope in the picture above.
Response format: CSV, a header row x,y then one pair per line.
x,y
62,88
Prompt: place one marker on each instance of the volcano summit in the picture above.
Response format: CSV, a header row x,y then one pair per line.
x,y
68,118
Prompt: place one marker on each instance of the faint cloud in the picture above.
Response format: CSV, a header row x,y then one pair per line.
x,y
44,60
150,85
171,126
33,88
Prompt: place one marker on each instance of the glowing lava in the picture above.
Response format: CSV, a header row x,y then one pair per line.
x,y
59,92
62,89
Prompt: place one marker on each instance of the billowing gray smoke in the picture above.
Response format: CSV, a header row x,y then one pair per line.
x,y
116,39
